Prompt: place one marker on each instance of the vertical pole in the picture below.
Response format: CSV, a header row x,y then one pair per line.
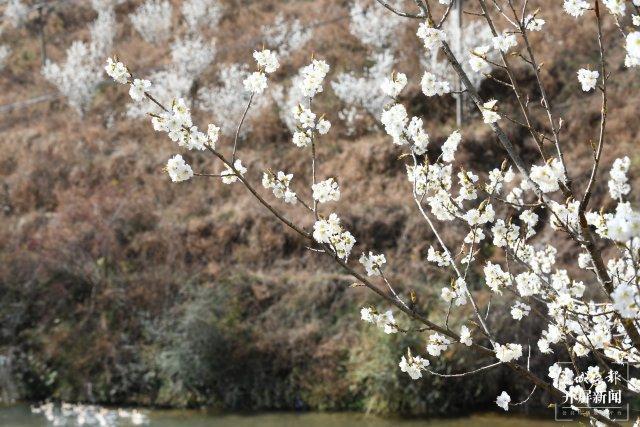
x,y
43,42
459,47
193,92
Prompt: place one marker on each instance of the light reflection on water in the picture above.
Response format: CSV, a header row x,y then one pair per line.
x,y
21,416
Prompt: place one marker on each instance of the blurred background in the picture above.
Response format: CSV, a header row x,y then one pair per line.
x,y
121,288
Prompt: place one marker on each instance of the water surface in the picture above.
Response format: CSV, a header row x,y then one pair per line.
x,y
21,416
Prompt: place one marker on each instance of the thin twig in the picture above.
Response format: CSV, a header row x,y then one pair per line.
x,y
399,12
235,140
465,374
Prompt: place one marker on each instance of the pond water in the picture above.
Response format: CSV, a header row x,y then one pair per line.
x,y
21,416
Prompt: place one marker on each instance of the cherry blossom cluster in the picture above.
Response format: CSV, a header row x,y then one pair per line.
x,y
329,231
230,174
472,44
373,263
413,365
178,169
384,321
404,131
227,100
191,56
152,20
436,344
267,62
307,126
177,122
312,77
326,191
358,90
78,76
433,183
279,184
619,182
285,35
588,307
588,79
549,176
372,25
16,12
200,13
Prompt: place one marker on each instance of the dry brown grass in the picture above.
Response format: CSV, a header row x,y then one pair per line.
x,y
95,240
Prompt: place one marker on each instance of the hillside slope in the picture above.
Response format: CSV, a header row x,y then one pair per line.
x,y
118,286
